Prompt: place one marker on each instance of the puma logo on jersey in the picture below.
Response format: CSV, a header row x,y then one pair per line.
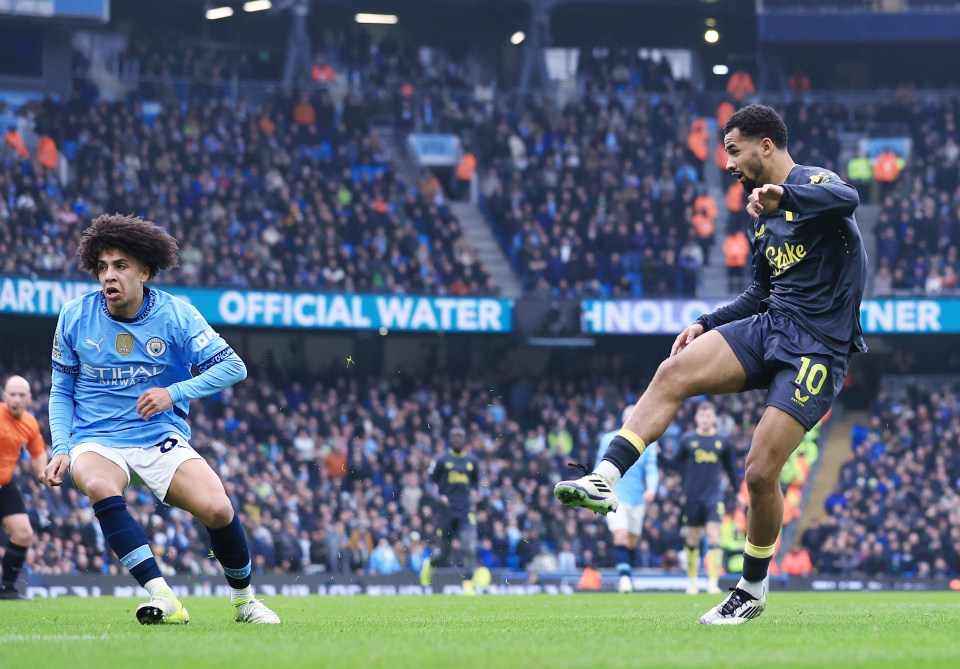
x,y
95,344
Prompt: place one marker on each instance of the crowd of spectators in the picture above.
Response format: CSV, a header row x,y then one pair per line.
x,y
895,510
291,194
918,230
325,468
624,71
587,198
606,195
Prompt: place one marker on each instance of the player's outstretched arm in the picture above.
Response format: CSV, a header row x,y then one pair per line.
x,y
828,195
222,373
747,304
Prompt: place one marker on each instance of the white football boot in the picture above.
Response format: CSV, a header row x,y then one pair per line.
x,y
739,607
589,492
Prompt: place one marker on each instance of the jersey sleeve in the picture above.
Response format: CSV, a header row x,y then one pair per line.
x,y
66,367
202,345
63,355
826,194
748,303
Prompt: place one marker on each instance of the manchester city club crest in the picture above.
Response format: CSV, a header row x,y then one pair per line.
x,y
156,347
124,344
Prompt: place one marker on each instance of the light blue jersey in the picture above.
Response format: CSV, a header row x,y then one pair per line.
x,y
643,476
102,364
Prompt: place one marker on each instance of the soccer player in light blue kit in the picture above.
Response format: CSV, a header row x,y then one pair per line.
x,y
635,490
119,401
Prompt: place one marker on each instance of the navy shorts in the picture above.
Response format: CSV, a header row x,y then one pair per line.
x,y
802,375
10,501
697,512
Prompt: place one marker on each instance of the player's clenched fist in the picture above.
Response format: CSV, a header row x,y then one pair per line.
x,y
686,337
765,199
153,402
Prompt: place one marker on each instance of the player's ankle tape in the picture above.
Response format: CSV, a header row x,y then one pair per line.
x,y
622,453
758,551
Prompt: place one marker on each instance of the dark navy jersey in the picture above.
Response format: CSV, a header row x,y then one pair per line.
x,y
455,476
700,460
809,262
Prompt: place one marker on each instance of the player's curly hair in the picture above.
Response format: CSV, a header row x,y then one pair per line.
x,y
141,239
759,121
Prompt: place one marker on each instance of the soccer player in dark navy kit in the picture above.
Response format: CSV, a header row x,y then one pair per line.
x,y
702,457
456,476
791,332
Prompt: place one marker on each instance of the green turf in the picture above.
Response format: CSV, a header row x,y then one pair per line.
x,y
903,630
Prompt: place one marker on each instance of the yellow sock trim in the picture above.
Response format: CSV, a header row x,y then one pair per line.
x,y
693,562
633,438
713,563
758,551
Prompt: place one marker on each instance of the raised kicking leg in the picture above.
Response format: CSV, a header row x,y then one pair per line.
x,y
706,365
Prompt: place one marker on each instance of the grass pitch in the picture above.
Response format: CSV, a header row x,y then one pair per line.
x,y
903,630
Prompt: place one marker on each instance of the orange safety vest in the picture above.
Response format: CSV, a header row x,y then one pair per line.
x,y
15,142
886,168
590,579
697,139
467,166
797,564
704,216
47,152
736,249
740,85
735,197
304,113
323,74
720,156
724,111
706,205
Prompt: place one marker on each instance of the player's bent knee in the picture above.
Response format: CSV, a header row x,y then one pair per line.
x,y
761,477
98,488
670,378
217,513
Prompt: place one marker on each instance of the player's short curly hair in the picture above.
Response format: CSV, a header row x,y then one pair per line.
x,y
143,240
759,121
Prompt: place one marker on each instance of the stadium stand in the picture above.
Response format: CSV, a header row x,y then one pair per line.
x,y
292,194
894,509
918,230
325,469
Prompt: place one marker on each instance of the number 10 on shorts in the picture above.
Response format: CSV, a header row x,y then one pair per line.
x,y
814,375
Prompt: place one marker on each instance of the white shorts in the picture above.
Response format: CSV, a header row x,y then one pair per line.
x,y
154,466
627,517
